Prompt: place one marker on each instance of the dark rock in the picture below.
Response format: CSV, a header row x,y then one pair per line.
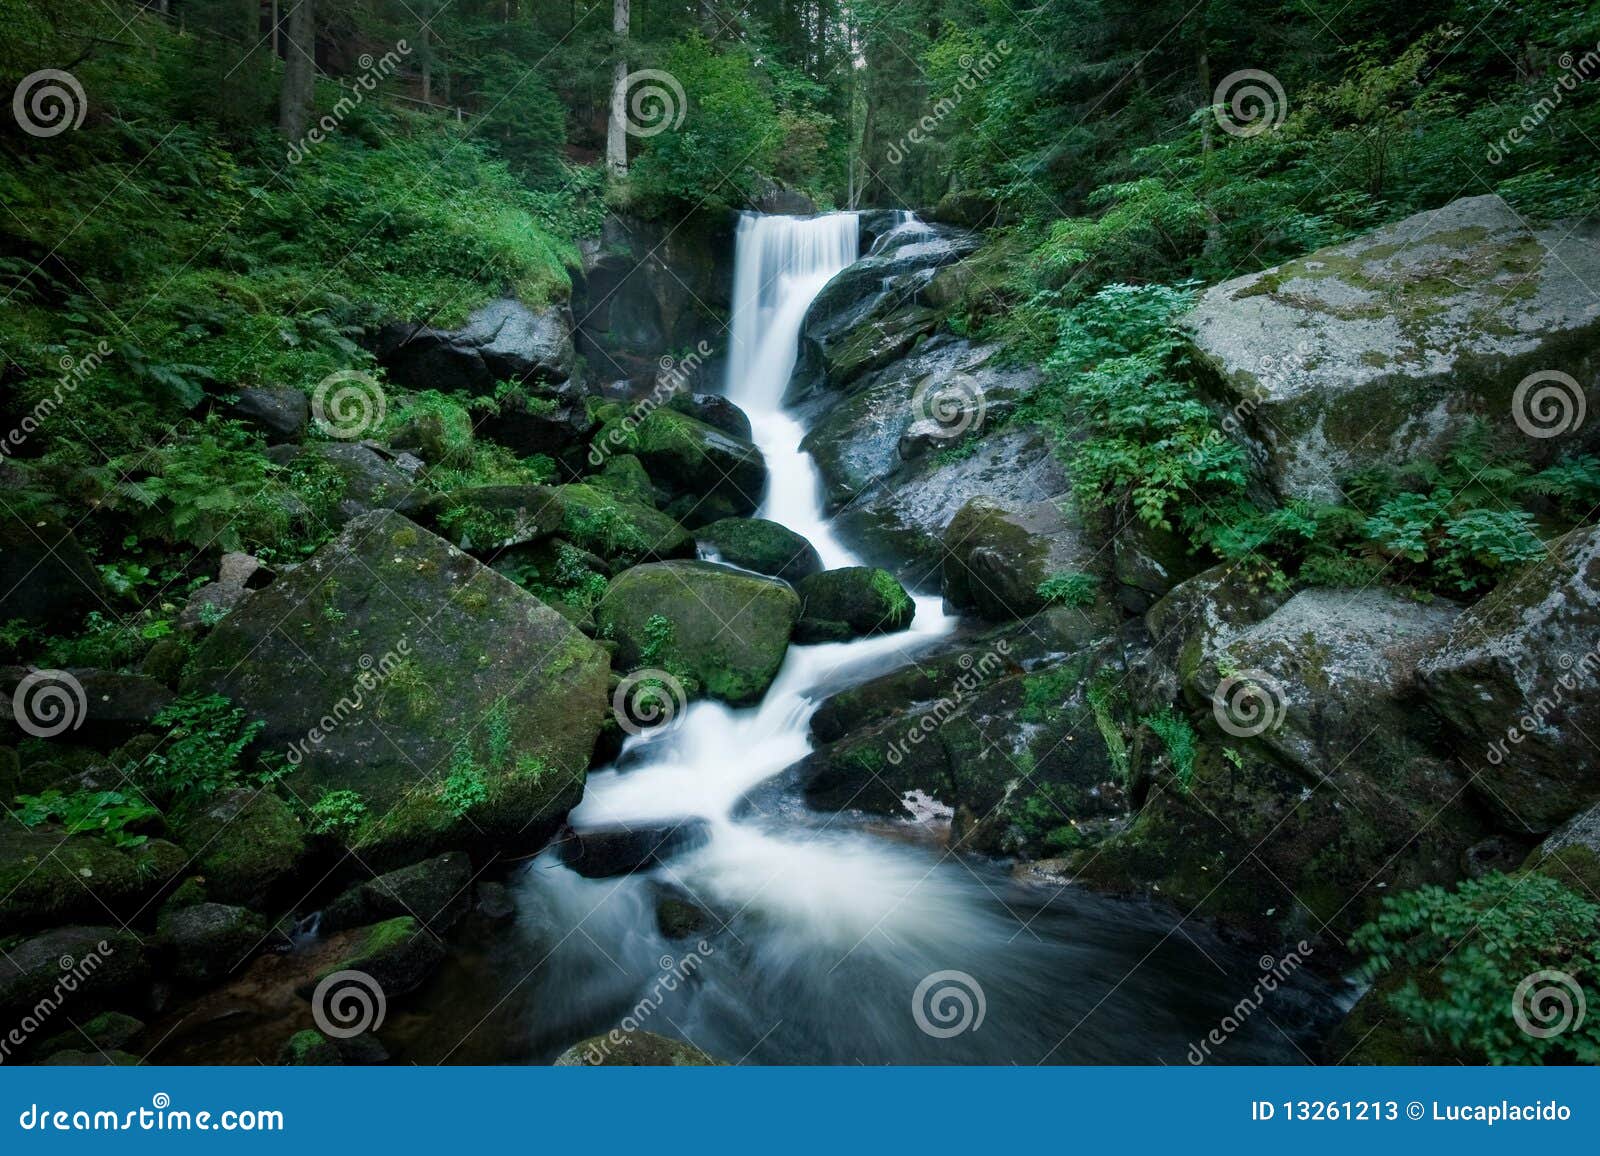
x,y
246,844
722,630
101,708
970,209
280,415
861,599
46,578
550,420
436,892
78,970
310,1047
605,852
700,462
653,288
207,942
108,1031
679,919
713,410
460,647
998,559
94,1059
48,878
495,904
399,955
763,546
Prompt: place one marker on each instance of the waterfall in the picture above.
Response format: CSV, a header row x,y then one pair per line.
x,y
822,930
780,265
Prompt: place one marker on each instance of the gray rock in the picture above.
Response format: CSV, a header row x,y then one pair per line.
x,y
1383,349
998,557
114,706
238,574
605,852
280,415
1517,682
503,341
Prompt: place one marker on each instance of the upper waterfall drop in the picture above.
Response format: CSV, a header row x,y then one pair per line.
x,y
780,265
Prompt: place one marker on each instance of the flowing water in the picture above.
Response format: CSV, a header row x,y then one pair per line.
x,y
836,941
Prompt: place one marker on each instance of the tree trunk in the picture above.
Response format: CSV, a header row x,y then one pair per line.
x,y
299,70
617,130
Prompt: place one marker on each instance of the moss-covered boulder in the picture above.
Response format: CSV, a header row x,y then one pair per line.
x,y
487,519
618,528
724,632
763,546
633,1049
71,971
1009,561
715,411
837,605
108,1031
1300,777
1385,348
246,844
625,474
310,1048
458,709
48,878
399,955
437,892
687,457
207,942
1516,679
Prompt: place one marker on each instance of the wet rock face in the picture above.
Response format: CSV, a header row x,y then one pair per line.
x,y
651,291
999,559
416,667
503,341
1519,682
763,546
1385,348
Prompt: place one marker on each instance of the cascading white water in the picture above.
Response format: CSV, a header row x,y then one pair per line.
x,y
824,929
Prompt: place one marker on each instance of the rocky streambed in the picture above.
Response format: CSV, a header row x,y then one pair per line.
x,y
695,742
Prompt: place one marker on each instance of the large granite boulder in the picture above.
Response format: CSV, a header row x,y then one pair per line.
x,y
1517,681
461,709
503,341
722,631
1383,349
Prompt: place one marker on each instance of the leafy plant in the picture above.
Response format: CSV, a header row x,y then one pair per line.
x,y
202,752
108,814
1070,589
1472,950
1178,736
338,812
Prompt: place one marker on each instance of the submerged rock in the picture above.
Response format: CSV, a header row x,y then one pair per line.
x,y
722,631
458,707
1384,349
605,852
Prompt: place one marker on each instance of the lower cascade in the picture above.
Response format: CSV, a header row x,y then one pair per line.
x,y
827,940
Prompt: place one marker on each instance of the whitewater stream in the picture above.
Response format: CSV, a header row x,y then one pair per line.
x,y
834,939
